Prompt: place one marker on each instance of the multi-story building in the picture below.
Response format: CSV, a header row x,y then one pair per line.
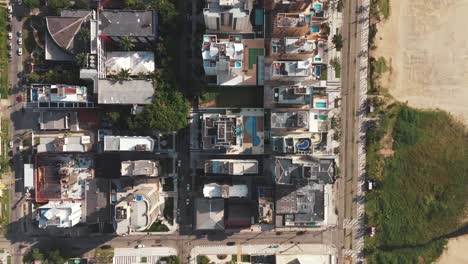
x,y
231,167
136,209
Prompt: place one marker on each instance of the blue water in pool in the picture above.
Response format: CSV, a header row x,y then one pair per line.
x,y
317,71
317,6
314,29
251,128
320,104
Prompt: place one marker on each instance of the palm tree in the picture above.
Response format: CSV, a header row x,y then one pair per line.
x,y
126,43
123,75
338,41
84,35
81,59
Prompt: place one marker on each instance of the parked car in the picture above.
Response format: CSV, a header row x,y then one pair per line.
x,y
179,163
10,9
19,51
10,17
187,201
371,185
20,41
10,46
140,246
20,34
10,144
10,35
188,187
10,54
230,243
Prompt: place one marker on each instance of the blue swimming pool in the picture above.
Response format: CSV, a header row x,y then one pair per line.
x,y
238,64
303,144
318,7
318,71
323,117
320,104
314,29
251,128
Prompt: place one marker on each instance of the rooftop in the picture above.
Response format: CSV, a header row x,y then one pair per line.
x,y
140,168
59,214
228,16
137,208
62,176
231,167
124,143
58,93
58,143
209,214
132,92
240,133
214,190
138,23
294,171
58,120
138,62
292,68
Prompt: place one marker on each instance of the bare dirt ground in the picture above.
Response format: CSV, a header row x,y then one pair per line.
x,y
455,252
426,45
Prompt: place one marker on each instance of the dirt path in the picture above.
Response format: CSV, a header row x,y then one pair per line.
x,y
424,42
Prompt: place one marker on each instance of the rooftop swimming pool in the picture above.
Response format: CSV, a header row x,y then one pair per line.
x,y
320,104
318,7
314,29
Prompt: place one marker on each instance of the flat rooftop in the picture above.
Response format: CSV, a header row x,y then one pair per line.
x,y
132,92
124,143
141,23
138,62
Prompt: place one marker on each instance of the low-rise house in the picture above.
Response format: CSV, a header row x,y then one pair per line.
x,y
214,190
126,92
59,96
59,214
209,214
234,132
303,192
231,167
140,168
58,120
124,143
228,16
60,143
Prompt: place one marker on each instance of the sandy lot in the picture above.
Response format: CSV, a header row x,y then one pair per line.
x,y
426,44
455,252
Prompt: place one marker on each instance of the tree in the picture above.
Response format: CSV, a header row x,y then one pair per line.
x,y
33,77
51,76
337,40
55,256
335,63
81,59
32,3
135,4
167,13
56,6
80,4
84,34
168,112
126,43
34,254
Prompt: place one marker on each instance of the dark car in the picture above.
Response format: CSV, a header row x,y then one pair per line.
x,y
230,243
300,233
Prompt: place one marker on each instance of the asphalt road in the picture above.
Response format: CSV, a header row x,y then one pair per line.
x,y
350,95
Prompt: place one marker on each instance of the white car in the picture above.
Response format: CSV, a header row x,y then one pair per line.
x,y
10,46
11,144
140,246
10,9
20,41
10,35
20,51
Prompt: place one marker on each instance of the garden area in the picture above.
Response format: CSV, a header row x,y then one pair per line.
x,y
157,226
238,96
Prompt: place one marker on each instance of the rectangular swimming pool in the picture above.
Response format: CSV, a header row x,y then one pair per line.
x,y
320,104
318,7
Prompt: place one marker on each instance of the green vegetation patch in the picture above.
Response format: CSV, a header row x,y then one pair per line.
x,y
168,211
235,96
157,226
253,54
384,8
3,54
380,65
423,185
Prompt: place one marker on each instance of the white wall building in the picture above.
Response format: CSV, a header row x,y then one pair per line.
x,y
59,214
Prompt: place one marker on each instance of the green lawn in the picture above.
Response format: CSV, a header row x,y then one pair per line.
x,y
5,146
3,54
253,54
423,186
